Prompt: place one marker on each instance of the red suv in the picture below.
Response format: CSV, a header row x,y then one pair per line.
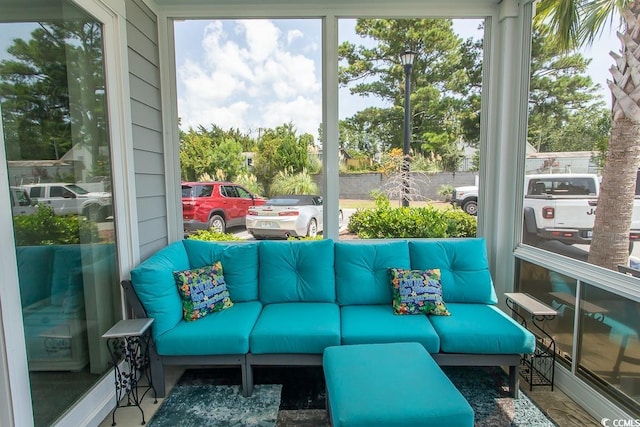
x,y
215,205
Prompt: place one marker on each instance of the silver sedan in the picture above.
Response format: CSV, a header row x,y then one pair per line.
x,y
287,216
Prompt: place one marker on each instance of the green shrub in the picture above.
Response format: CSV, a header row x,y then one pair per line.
x,y
460,223
214,236
384,222
46,228
299,183
318,237
446,192
250,182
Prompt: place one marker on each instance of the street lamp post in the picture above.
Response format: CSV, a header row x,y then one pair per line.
x,y
406,58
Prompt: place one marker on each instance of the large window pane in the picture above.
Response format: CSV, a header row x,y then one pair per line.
x,y
609,349
578,192
409,134
607,355
55,133
558,292
250,108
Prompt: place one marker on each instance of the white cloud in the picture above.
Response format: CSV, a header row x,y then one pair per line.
x,y
227,117
261,37
248,76
303,112
293,35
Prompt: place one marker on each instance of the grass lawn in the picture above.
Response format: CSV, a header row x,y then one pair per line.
x,y
363,204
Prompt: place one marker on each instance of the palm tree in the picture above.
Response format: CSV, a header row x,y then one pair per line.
x,y
574,23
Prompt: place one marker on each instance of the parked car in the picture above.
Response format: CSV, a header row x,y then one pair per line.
x,y
21,203
467,198
287,216
72,199
556,207
215,205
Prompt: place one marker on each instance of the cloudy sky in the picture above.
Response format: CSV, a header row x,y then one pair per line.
x,y
249,74
253,74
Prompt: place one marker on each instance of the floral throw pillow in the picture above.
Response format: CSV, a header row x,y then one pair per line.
x,y
417,292
203,291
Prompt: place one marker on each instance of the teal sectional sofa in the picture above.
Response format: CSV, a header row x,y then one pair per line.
x,y
53,280
293,299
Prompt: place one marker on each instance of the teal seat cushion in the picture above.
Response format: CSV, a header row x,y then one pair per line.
x,y
371,324
463,265
239,262
389,385
303,327
156,287
361,270
224,332
481,329
299,271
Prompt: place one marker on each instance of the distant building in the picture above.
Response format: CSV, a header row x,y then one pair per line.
x,y
550,162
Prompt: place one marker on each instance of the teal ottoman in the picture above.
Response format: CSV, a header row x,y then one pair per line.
x,y
390,385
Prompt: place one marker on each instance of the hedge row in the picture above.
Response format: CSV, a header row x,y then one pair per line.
x,y
384,221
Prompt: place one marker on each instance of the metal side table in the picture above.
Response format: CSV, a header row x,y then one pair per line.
x,y
537,368
128,341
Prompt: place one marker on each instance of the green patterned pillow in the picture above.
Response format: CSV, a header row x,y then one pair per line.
x,y
203,291
417,292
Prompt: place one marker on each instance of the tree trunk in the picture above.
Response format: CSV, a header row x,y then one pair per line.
x,y
610,244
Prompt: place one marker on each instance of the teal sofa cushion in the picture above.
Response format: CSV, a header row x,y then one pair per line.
x,y
34,272
463,267
371,324
67,262
224,332
302,327
391,385
239,262
299,271
155,286
361,270
481,329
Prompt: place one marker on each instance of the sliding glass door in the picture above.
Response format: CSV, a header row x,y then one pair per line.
x,y
56,139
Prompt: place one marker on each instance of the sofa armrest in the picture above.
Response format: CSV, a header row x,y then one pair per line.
x,y
132,299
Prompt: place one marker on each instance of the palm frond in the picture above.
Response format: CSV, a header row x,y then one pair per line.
x,y
600,15
559,20
575,23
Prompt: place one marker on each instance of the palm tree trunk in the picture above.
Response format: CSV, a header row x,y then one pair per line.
x,y
610,244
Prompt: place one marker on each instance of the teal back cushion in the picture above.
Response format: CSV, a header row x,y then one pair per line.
x,y
296,272
67,261
463,265
361,270
239,263
34,273
156,287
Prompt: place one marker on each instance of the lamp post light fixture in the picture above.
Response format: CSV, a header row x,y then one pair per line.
x,y
406,58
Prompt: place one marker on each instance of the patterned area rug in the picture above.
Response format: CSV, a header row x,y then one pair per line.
x,y
487,391
218,405
212,397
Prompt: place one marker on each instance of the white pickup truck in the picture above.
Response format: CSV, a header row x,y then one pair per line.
x,y
556,207
71,199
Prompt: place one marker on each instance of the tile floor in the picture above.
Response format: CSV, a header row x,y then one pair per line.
x,y
560,408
